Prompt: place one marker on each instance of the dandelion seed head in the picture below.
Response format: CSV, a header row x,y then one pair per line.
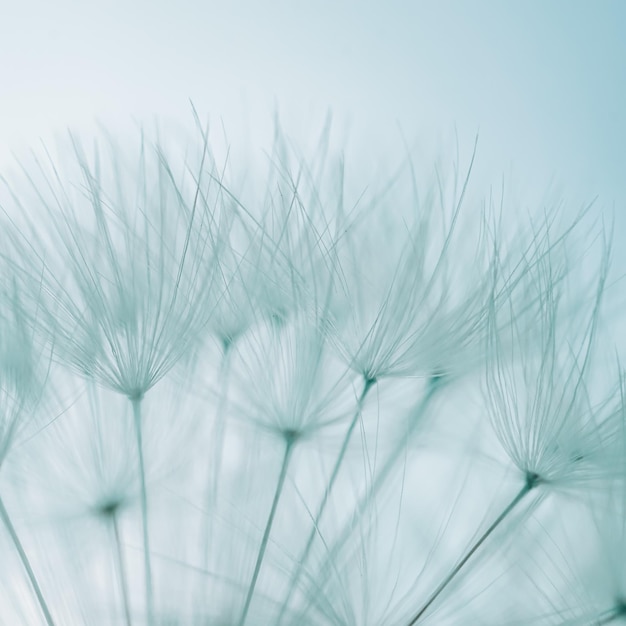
x,y
293,382
125,289
537,387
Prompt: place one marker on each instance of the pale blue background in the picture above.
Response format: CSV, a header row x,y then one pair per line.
x,y
543,80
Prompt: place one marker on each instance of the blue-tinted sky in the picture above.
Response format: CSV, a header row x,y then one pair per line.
x,y
543,80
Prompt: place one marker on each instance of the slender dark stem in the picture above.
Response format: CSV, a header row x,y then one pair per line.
x,y
26,563
123,580
268,528
136,404
523,492
369,383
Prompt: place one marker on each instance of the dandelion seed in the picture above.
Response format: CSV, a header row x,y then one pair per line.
x,y
532,413
538,394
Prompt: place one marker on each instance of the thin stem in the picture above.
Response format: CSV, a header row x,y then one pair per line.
x,y
610,616
369,383
136,404
220,426
213,479
380,479
531,482
26,563
123,580
205,531
268,527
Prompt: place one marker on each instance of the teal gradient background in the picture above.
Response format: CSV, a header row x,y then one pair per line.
x,y
543,81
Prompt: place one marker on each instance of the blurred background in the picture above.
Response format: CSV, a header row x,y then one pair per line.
x,y
543,83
